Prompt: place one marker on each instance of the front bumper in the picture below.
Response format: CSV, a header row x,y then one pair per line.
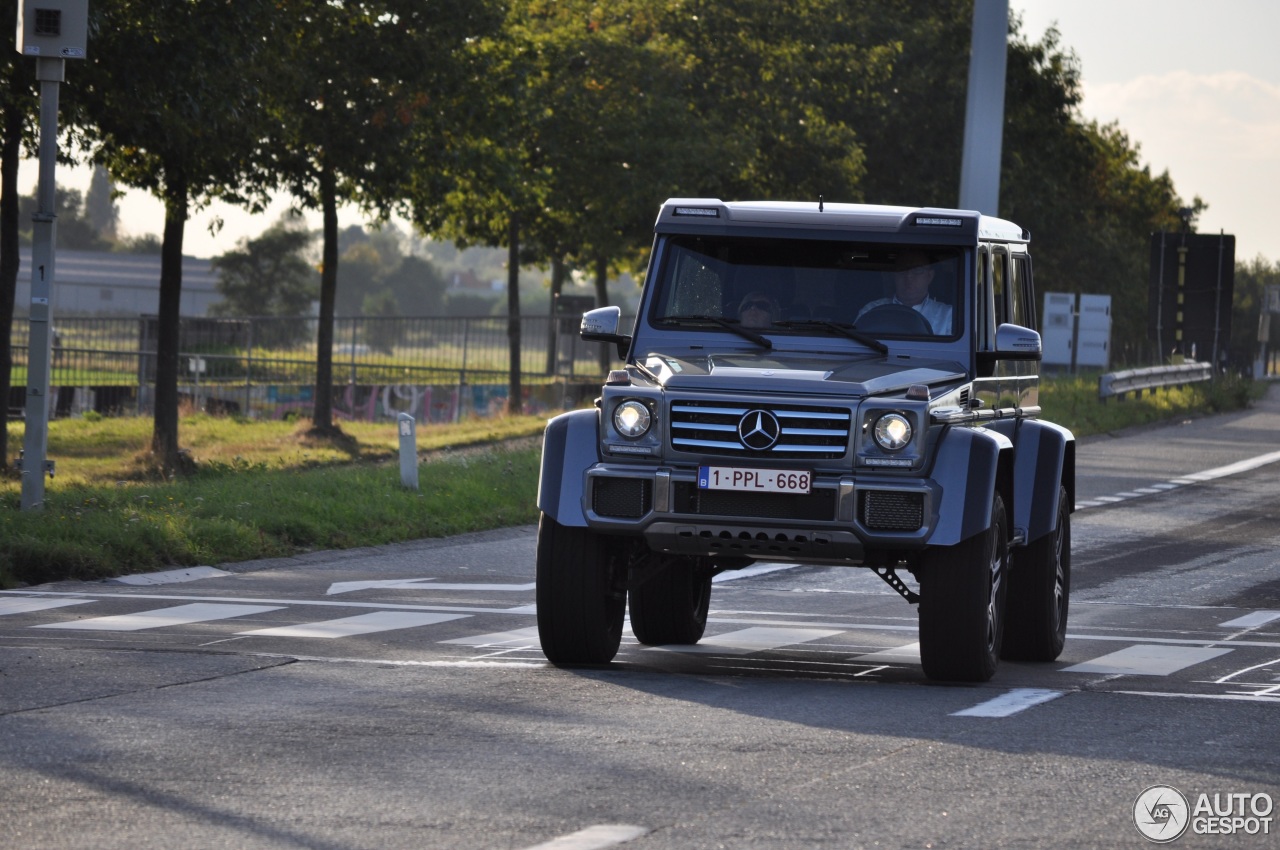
x,y
842,518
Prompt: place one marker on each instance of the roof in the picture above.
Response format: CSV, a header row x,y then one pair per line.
x,y
680,214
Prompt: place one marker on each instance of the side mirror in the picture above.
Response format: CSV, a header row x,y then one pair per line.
x,y
601,325
1014,342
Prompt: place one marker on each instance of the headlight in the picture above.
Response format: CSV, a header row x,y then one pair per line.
x,y
892,432
631,418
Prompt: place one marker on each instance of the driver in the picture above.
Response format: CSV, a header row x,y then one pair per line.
x,y
911,289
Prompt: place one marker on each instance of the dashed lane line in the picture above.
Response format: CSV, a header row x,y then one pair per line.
x,y
1194,478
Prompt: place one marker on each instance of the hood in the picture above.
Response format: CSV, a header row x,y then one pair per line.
x,y
800,373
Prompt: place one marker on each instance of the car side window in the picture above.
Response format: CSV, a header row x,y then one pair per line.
x,y
1000,285
1023,311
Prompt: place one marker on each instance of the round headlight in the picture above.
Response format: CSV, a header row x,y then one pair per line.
x,y
892,432
631,418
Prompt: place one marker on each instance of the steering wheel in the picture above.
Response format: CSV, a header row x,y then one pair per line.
x,y
894,319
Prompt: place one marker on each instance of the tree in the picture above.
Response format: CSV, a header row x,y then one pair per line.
x,y
173,106
75,232
355,78
18,109
100,205
1251,282
269,276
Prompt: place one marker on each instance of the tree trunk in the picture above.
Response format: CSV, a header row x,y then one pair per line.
x,y
164,437
322,414
515,404
10,159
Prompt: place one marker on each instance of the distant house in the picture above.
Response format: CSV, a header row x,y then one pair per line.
x,y
98,283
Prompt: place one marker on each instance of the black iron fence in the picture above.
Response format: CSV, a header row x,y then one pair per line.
x,y
235,362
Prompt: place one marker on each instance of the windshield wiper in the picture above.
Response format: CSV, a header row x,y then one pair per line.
x,y
728,324
842,328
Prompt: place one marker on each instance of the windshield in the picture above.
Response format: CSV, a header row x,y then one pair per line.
x,y
796,286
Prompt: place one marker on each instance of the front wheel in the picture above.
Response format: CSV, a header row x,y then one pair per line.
x,y
670,606
580,594
1039,593
962,604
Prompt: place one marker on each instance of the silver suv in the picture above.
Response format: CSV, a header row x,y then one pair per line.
x,y
833,384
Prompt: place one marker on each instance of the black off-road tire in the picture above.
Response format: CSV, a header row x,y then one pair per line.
x,y
962,604
670,606
1040,593
581,599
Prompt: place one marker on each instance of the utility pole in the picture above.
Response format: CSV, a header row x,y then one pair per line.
x,y
984,108
52,31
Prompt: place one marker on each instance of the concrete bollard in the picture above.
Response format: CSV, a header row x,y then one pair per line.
x,y
408,451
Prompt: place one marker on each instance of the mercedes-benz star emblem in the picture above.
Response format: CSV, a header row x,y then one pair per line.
x,y
758,430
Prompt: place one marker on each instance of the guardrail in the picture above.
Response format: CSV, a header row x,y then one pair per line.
x,y
1151,378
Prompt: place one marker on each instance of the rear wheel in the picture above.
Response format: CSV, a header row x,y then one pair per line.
x,y
670,606
1039,593
580,593
962,604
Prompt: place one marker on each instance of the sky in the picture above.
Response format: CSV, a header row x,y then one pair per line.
x,y
1195,84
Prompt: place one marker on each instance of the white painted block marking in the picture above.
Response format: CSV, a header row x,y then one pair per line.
x,y
515,638
1148,660
361,624
1016,700
180,615
593,838
169,576
1249,621
751,572
424,584
754,639
22,606
906,654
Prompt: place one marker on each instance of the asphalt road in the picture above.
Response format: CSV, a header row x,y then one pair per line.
x,y
396,697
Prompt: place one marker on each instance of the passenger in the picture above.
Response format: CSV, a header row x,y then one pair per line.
x,y
911,289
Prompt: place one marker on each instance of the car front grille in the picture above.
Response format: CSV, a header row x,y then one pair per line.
x,y
891,510
806,432
819,504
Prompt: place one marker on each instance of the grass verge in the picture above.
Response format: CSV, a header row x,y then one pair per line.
x,y
265,489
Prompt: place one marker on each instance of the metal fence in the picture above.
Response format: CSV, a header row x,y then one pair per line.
x,y
248,353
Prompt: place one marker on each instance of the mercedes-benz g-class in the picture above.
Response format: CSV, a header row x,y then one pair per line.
x,y
828,384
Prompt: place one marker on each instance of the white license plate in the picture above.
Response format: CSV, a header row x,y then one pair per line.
x,y
746,480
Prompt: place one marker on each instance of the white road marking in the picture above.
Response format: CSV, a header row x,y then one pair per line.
x,y
526,638
1148,660
751,571
424,584
169,576
23,605
180,615
1005,705
1250,621
906,654
746,641
593,838
462,609
379,621
1192,478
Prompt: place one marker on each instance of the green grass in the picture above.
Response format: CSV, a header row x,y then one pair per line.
x,y
265,489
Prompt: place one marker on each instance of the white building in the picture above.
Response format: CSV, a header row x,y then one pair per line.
x,y
99,283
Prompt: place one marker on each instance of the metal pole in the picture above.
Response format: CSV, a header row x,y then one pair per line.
x,y
984,108
408,451
50,73
1217,302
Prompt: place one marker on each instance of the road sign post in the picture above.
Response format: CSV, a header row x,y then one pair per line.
x,y
52,31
